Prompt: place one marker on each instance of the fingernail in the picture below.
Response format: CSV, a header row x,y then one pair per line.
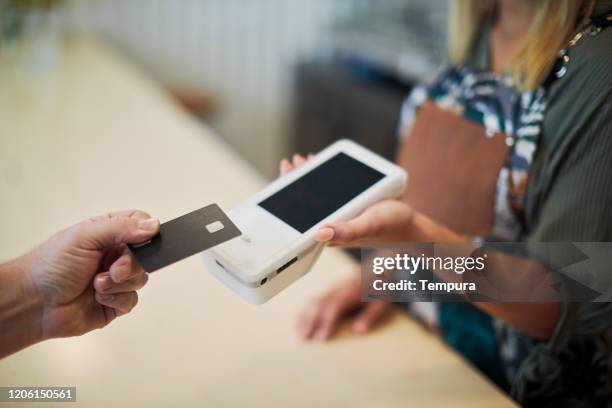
x,y
325,234
105,282
106,298
148,224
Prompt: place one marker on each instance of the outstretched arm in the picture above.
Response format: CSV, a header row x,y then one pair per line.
x,y
77,281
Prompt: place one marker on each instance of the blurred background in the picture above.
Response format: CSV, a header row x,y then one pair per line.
x,y
272,77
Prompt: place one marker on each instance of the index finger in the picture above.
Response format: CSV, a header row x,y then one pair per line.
x,y
125,267
348,234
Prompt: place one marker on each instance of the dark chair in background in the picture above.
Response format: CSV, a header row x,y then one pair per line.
x,y
343,99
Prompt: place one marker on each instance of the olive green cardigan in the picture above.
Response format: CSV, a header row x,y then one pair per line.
x,y
569,193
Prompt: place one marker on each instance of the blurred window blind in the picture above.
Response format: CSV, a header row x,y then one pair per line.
x,y
242,51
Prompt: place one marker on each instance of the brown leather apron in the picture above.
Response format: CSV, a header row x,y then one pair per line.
x,y
453,167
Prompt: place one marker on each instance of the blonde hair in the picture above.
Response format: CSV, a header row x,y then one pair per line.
x,y
553,25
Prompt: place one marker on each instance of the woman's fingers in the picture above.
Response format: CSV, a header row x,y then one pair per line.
x,y
298,160
285,167
389,220
122,302
321,320
349,233
339,304
307,321
371,315
329,320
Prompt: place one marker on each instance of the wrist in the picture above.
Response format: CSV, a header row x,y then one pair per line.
x,y
427,230
21,306
31,293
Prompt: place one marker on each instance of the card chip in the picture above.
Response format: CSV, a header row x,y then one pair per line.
x,y
214,227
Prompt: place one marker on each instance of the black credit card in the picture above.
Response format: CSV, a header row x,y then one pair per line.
x,y
185,236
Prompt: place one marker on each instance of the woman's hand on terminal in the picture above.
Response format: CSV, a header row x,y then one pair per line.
x,y
287,166
321,318
386,221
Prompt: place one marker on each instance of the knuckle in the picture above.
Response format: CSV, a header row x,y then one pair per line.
x,y
122,227
97,218
79,230
317,310
375,225
139,214
75,235
123,303
332,311
308,319
345,232
133,300
138,282
323,300
110,314
126,262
